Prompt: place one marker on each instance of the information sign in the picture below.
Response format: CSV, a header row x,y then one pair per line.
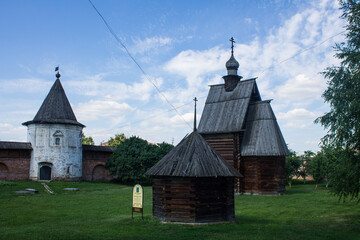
x,y
138,199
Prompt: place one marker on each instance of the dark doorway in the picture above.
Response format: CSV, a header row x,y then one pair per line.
x,y
45,173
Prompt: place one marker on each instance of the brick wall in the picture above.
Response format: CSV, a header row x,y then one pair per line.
x,y
94,166
14,164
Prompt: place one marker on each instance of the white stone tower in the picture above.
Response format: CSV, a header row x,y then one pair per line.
x,y
56,139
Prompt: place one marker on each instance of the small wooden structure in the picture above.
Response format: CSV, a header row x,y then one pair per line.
x,y
193,184
243,129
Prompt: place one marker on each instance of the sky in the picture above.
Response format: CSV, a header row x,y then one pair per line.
x,y
182,46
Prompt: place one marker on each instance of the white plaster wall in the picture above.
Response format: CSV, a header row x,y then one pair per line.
x,y
66,155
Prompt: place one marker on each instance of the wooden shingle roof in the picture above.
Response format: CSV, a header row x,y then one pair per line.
x,y
224,111
55,108
262,136
193,157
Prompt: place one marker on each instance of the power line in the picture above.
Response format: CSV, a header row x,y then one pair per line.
x,y
137,64
144,119
300,52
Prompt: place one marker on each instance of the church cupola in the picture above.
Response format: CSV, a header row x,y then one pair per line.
x,y
232,78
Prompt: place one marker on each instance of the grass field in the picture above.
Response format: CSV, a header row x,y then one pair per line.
x,y
103,211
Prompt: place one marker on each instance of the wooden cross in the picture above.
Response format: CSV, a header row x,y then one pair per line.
x,y
195,100
232,44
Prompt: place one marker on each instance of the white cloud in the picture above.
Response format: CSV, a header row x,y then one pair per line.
x,y
101,109
248,20
193,64
150,44
28,85
294,84
297,118
95,86
301,88
11,133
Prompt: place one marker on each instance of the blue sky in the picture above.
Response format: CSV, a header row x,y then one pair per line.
x,y
181,45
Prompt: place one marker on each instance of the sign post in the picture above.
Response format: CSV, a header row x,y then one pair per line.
x,y
138,200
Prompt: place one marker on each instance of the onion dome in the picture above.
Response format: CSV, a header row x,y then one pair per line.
x,y
232,65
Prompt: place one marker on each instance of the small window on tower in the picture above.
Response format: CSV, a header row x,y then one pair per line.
x,y
57,141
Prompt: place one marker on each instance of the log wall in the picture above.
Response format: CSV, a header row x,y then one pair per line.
x,y
193,200
263,175
228,146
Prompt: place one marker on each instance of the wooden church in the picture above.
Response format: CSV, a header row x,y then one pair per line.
x,y
242,128
193,184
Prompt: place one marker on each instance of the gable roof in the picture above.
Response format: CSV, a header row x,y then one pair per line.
x,y
193,157
55,108
224,111
15,145
262,136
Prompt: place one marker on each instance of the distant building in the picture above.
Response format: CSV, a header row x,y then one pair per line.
x,y
54,150
243,129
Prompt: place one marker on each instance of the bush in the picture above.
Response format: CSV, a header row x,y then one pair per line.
x,y
134,157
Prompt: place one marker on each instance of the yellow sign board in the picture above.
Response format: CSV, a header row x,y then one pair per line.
x,y
137,196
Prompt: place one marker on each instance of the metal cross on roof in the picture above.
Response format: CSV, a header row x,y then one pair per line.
x,y
232,44
195,100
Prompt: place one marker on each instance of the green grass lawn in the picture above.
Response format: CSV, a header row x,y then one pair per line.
x,y
103,211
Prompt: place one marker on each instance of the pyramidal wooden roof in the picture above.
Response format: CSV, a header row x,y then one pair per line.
x,y
193,157
262,136
56,108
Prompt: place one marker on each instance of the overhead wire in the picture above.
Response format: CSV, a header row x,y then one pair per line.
x,y
137,64
158,90
149,117
300,52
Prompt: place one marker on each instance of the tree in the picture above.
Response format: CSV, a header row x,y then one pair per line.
x,y
320,165
343,92
305,164
117,140
134,157
343,95
344,174
87,140
163,149
292,165
317,167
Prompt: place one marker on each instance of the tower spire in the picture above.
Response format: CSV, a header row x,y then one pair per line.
x,y
195,100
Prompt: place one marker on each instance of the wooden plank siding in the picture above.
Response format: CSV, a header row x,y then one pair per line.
x,y
193,200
